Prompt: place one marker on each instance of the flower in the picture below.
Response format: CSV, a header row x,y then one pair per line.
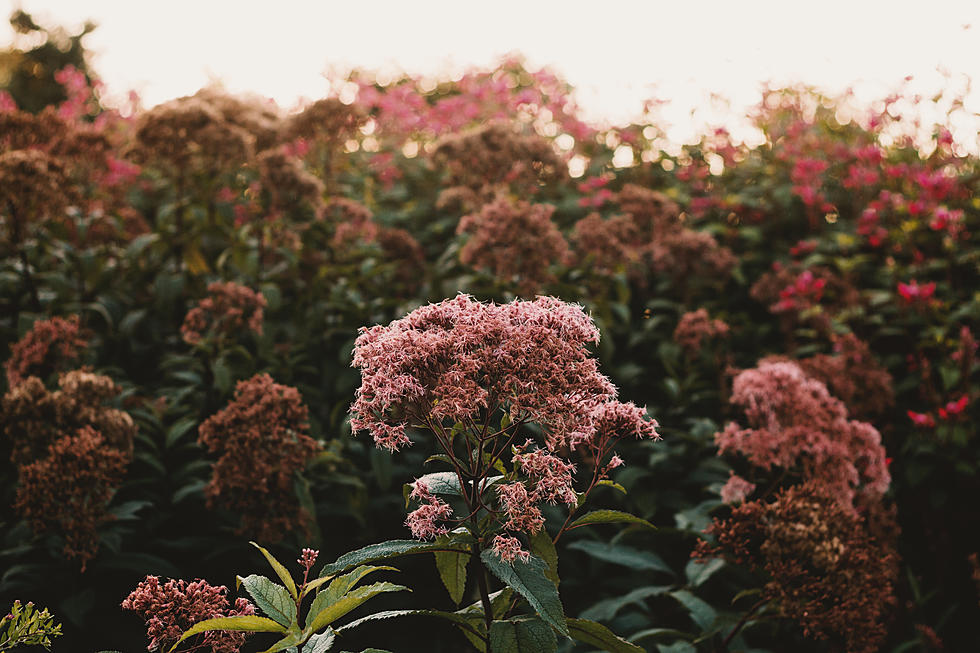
x,y
695,327
736,489
795,423
229,308
262,440
449,361
508,549
67,490
49,345
923,420
515,241
173,607
824,569
912,292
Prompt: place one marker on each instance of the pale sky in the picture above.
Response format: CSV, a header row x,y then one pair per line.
x,y
615,52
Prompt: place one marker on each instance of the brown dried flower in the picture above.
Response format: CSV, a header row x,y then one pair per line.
x,y
49,346
262,440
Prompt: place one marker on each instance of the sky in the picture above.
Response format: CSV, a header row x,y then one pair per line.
x,y
615,52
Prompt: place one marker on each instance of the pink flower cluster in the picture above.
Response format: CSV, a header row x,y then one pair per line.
x,y
172,607
460,362
695,327
450,361
425,522
795,424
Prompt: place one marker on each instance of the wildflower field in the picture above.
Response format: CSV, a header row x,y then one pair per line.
x,y
554,386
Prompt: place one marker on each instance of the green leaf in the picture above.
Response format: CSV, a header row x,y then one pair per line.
x,y
280,570
179,430
699,571
676,647
454,617
273,599
530,580
340,586
608,517
249,623
321,642
606,609
394,548
613,484
452,571
542,546
622,555
293,637
595,634
701,612
351,601
522,636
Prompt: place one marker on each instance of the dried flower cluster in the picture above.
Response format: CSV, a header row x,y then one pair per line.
x,y
34,418
328,121
290,188
190,134
71,453
695,327
262,441
495,158
258,117
33,188
229,309
795,424
514,241
650,236
67,490
352,223
172,607
854,376
608,245
824,569
49,346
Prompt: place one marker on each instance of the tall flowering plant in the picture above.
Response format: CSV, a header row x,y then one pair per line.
x,y
508,393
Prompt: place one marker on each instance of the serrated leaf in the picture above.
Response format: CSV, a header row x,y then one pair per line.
x,y
606,609
455,617
595,634
452,571
280,570
542,546
530,580
394,548
321,642
351,601
294,636
273,599
608,517
699,571
522,636
247,623
340,586
622,555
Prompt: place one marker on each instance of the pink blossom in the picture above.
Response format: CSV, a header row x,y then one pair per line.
x,y
794,423
509,548
736,489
